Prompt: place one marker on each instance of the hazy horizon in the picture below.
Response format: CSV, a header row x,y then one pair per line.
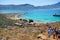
x,y
33,2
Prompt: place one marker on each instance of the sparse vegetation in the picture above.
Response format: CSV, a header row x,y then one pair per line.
x,y
25,33
5,21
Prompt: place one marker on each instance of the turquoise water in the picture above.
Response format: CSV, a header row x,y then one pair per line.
x,y
43,15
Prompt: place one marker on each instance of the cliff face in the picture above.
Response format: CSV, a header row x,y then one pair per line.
x,y
29,6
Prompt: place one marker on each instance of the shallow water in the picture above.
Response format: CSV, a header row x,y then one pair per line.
x,y
44,15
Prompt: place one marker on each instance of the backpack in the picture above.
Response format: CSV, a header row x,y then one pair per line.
x,y
58,31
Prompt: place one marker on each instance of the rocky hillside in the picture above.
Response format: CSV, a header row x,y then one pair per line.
x,y
4,21
12,32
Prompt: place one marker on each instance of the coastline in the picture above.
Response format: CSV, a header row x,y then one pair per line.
x,y
27,31
13,16
38,21
16,16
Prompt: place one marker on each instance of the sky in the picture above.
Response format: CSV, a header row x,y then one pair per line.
x,y
33,2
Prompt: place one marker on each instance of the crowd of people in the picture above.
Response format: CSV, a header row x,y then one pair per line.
x,y
52,31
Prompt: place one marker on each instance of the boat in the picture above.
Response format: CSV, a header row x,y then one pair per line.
x,y
58,15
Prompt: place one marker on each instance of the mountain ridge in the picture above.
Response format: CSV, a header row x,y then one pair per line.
x,y
29,6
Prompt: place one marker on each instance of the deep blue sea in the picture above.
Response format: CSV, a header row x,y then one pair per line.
x,y
44,15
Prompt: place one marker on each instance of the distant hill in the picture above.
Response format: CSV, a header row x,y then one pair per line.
x,y
29,6
53,6
23,6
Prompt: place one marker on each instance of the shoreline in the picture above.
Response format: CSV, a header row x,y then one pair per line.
x,y
25,31
17,16
38,21
13,16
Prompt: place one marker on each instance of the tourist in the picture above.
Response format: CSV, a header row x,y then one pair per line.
x,y
58,34
49,31
54,32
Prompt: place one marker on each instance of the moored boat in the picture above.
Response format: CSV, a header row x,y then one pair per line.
x,y
57,15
